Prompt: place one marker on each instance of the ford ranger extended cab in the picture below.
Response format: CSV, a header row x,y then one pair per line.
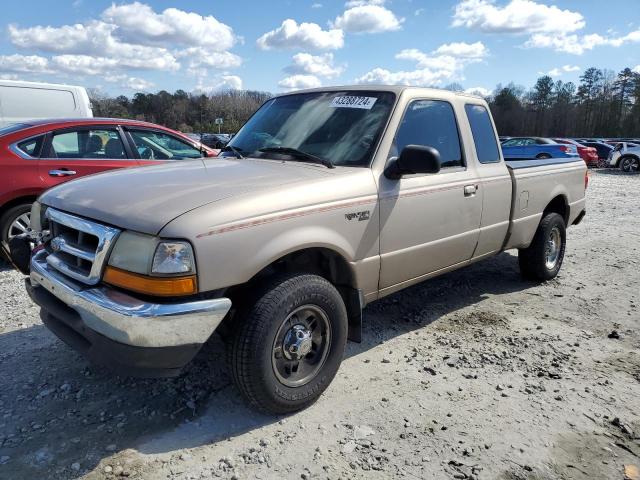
x,y
326,200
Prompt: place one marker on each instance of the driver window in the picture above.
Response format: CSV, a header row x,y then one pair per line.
x,y
431,123
155,145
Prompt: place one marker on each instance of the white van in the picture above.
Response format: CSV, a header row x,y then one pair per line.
x,y
24,101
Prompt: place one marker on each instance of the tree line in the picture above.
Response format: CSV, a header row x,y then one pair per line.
x,y
603,104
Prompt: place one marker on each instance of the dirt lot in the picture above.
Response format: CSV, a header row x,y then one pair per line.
x,y
477,374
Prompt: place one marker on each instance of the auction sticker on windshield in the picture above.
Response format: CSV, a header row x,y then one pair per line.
x,y
352,101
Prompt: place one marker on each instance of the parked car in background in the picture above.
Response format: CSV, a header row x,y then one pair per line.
x,y
26,101
38,155
215,140
603,150
525,148
588,154
626,157
503,139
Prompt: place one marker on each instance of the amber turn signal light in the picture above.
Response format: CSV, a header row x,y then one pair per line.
x,y
158,286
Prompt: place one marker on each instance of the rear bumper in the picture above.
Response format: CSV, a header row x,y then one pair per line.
x,y
115,329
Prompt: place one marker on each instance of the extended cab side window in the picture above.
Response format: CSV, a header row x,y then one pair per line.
x,y
155,145
431,123
484,136
98,144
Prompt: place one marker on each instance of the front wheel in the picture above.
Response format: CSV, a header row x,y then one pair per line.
x,y
543,156
629,164
288,345
15,221
543,258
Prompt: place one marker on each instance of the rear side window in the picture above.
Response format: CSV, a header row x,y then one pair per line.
x,y
31,147
99,144
431,123
484,137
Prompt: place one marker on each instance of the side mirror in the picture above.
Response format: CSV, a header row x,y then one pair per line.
x,y
414,159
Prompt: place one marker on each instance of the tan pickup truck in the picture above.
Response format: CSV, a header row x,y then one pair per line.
x,y
326,200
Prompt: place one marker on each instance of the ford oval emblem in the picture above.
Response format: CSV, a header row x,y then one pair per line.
x,y
56,244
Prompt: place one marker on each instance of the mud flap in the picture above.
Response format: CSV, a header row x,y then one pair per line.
x,y
353,302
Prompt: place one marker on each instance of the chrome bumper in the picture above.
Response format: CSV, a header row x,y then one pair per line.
x,y
126,319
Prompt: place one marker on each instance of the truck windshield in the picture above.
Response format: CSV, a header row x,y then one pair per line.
x,y
341,127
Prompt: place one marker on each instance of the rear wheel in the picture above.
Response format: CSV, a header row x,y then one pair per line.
x,y
543,156
14,222
543,258
629,164
288,344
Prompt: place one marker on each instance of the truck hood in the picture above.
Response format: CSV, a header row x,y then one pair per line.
x,y
147,198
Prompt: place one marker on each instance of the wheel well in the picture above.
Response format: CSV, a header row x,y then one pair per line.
x,y
323,262
558,205
17,201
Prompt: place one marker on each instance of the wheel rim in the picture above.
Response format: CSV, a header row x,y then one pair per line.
x,y
19,225
626,164
552,248
301,346
633,165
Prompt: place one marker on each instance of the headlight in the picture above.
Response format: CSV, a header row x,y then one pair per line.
x,y
148,265
173,258
133,252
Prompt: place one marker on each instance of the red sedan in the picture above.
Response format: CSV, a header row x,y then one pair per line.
x,y
588,154
38,155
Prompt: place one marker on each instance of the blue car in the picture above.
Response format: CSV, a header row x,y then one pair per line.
x,y
526,148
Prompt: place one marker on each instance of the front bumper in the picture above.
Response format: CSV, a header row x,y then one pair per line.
x,y
112,327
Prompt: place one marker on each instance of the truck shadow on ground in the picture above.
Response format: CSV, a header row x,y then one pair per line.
x,y
63,416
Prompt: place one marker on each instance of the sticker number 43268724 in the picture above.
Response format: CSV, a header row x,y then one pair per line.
x,y
352,101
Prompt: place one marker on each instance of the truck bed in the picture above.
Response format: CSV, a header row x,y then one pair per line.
x,y
534,184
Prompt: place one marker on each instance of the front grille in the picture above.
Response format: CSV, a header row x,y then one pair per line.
x,y
78,247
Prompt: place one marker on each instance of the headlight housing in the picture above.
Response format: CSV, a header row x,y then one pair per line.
x,y
149,265
173,258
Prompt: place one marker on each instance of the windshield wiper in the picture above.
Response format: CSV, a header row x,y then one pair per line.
x,y
234,150
294,152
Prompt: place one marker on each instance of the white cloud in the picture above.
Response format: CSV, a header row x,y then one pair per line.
x,y
433,69
202,57
298,82
421,77
316,5
419,12
319,65
636,69
517,16
129,37
463,50
481,91
307,36
578,44
10,64
359,3
222,83
367,18
131,83
559,71
138,23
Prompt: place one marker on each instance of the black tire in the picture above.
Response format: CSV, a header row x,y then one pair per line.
x,y
534,260
8,218
629,164
253,345
543,156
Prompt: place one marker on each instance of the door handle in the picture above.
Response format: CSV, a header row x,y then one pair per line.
x,y
62,173
470,190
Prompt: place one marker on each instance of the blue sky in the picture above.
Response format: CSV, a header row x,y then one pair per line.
x,y
123,47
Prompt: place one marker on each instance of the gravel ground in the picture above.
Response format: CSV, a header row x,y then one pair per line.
x,y
476,374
